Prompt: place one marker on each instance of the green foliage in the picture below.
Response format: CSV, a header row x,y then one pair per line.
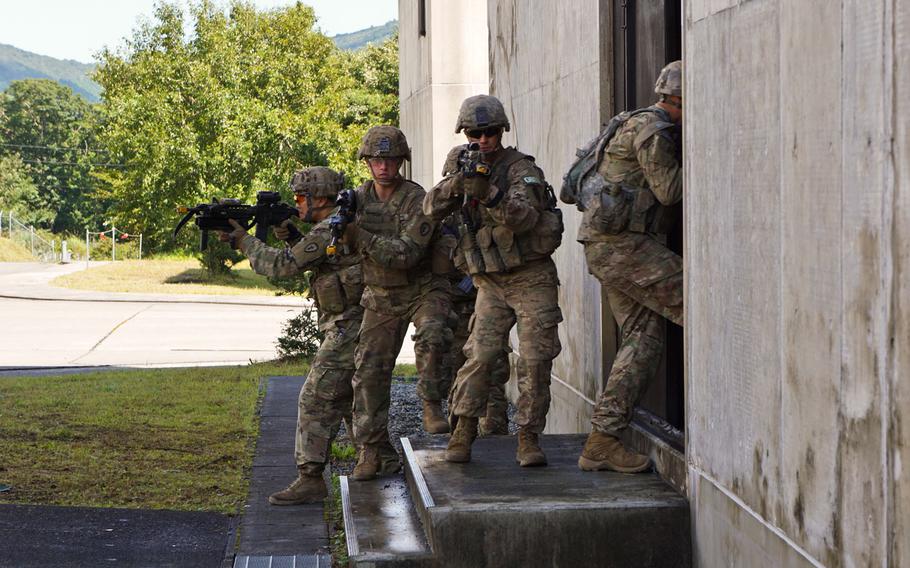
x,y
361,38
300,336
218,258
19,194
343,451
16,64
231,109
52,130
293,285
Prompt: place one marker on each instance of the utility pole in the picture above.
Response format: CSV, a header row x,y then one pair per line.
x,y
113,242
140,246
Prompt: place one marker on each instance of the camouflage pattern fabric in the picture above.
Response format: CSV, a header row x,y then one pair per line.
x,y
653,165
496,419
642,289
327,395
528,297
395,238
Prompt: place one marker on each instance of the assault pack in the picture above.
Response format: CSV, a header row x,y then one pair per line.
x,y
582,184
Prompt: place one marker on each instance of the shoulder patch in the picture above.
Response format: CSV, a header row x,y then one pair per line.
x,y
312,247
531,180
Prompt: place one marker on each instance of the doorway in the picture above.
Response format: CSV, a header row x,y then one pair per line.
x,y
646,35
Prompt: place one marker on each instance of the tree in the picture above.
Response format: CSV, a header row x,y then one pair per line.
x,y
234,108
19,194
52,130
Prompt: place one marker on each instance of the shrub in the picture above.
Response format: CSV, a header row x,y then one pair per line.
x,y
218,257
300,336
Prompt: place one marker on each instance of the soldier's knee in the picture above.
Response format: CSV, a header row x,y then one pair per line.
x,y
434,334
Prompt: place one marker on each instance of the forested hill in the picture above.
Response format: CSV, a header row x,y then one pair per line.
x,y
17,63
362,38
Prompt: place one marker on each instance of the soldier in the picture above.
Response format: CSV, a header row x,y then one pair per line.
x,y
510,228
628,254
327,394
393,236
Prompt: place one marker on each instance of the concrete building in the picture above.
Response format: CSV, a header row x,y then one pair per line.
x,y
797,219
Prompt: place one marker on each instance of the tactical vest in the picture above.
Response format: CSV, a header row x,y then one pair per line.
x,y
486,247
337,287
617,207
387,219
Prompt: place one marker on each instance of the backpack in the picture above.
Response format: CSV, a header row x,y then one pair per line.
x,y
582,185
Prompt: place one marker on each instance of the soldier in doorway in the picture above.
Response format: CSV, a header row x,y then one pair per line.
x,y
509,229
625,237
327,395
394,238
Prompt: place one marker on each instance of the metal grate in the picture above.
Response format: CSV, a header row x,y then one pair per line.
x,y
296,561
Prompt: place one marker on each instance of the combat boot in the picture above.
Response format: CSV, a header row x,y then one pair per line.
x,y
434,421
305,489
492,425
529,452
388,458
604,451
459,448
368,464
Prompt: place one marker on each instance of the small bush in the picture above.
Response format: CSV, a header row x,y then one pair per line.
x,y
298,285
300,336
218,257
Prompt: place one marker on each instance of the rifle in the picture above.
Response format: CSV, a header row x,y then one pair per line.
x,y
215,216
347,209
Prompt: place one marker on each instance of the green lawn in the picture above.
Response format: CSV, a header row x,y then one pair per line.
x,y
166,438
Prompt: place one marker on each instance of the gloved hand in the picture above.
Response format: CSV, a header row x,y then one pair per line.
x,y
477,186
281,232
235,236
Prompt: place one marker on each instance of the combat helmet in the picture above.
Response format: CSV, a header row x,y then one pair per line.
x,y
670,80
384,142
317,181
481,111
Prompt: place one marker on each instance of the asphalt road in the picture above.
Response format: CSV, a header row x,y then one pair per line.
x,y
44,326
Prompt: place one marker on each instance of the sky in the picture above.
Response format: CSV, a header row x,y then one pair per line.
x,y
77,29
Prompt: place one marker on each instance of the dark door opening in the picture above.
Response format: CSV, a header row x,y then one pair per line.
x,y
646,36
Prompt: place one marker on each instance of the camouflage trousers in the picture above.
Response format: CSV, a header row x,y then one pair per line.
x,y
381,337
526,296
326,396
496,419
643,282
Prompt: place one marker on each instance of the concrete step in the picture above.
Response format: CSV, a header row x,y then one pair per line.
x,y
381,526
490,512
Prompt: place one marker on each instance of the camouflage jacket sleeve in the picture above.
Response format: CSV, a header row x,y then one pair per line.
x,y
306,254
522,201
661,169
444,198
404,250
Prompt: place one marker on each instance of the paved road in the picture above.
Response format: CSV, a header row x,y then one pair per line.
x,y
46,326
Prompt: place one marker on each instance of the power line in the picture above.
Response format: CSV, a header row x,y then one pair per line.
x,y
93,165
55,148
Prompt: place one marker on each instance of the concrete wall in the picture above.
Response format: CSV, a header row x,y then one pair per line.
x,y
797,227
545,66
437,72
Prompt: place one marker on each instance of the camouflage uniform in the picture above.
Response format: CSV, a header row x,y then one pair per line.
x,y
393,237
642,277
506,249
327,394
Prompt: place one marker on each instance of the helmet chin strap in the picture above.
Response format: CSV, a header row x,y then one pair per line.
x,y
308,218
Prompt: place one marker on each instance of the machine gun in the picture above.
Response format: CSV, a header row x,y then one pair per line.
x,y
215,216
347,209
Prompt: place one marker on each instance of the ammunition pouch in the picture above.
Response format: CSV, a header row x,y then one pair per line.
x,y
329,293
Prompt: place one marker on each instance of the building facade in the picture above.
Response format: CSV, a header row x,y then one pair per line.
x,y
796,224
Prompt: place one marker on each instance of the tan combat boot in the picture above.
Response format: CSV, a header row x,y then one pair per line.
x,y
434,421
529,452
388,457
304,489
492,425
604,451
368,464
459,448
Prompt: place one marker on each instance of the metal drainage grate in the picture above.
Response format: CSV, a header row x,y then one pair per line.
x,y
296,561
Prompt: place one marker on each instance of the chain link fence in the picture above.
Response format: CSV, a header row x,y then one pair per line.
x,y
25,235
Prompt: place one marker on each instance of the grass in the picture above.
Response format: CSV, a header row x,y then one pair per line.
x,y
166,276
405,370
163,439
334,518
11,251
343,451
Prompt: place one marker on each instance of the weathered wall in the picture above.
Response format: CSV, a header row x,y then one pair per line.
x,y
545,66
796,235
438,71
